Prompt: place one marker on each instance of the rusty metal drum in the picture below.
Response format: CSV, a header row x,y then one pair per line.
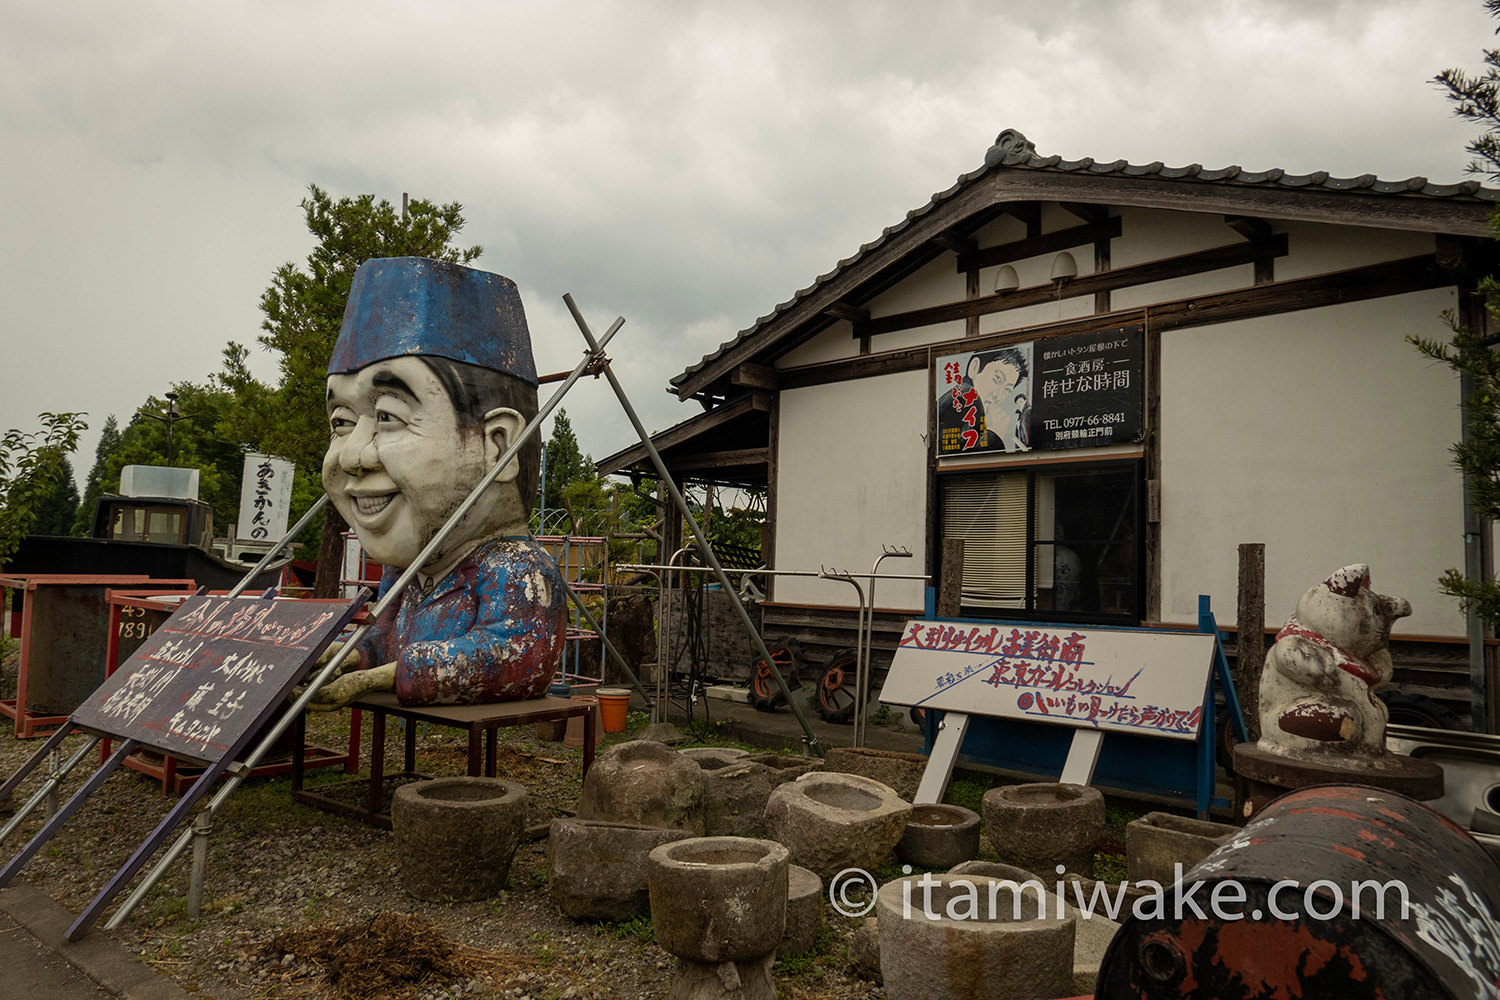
x,y
1333,891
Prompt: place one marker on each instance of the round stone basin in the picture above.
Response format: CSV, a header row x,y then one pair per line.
x,y
939,836
931,815
1036,794
725,857
951,936
443,792
718,899
844,797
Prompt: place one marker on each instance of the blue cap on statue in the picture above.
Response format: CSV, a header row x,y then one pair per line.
x,y
402,306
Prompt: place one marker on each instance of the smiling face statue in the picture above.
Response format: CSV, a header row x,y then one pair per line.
x,y
430,382
401,460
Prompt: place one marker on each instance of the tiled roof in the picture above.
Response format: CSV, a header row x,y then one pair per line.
x,y
1012,149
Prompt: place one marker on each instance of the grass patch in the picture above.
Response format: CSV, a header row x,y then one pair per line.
x,y
968,792
808,961
638,927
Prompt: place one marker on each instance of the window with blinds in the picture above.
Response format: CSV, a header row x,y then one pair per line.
x,y
989,514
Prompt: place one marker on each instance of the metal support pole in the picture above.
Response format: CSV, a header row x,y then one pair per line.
x,y
868,626
48,789
608,646
591,359
704,548
54,776
203,824
859,648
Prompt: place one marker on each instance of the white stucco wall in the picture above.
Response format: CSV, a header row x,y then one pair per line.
x,y
851,477
831,344
1325,436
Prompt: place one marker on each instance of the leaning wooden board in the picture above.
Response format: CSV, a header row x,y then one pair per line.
x,y
211,673
1152,683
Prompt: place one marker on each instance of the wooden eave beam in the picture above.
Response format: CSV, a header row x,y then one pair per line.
x,y
734,458
1413,274
1003,189
1355,207
958,244
752,376
1035,246
1028,213
903,252
1095,215
847,311
1250,228
702,423
1232,255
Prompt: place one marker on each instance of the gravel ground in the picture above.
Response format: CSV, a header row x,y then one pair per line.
x,y
287,882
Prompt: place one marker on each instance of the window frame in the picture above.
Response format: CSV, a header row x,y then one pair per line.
x,y
1032,471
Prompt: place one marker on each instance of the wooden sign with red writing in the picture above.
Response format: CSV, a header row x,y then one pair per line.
x,y
212,673
1151,683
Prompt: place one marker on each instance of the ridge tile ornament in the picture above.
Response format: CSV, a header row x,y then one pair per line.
x,y
430,381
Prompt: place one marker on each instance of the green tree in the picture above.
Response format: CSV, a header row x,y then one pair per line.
x,y
566,464
304,306
28,470
1476,98
54,515
93,487
1470,353
199,441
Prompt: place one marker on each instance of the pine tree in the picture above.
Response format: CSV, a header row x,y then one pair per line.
x,y
93,487
566,464
55,513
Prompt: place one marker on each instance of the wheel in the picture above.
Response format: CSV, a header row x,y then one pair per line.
x,y
1225,738
1419,710
765,693
836,688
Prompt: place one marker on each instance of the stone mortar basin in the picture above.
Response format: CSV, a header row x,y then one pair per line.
x,y
597,870
644,782
939,835
455,837
804,912
719,899
1041,825
735,793
832,821
786,767
713,758
967,936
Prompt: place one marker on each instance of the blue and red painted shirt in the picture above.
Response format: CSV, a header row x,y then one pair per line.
x,y
491,630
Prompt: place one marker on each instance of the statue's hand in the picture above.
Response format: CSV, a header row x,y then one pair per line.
x,y
340,692
336,648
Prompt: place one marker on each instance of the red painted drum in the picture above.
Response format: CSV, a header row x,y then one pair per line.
x,y
1333,891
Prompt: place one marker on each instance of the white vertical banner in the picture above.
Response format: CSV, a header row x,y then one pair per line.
x,y
265,499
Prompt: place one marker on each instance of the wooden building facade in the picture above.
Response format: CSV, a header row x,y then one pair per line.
x,y
1105,377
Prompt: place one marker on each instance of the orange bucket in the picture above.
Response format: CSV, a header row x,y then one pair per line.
x,y
614,703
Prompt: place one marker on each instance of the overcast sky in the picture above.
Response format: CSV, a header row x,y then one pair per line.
x,y
685,165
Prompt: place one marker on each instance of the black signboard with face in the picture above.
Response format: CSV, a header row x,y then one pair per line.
x,y
1069,392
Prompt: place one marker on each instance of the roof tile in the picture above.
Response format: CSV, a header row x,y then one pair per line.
x,y
1012,149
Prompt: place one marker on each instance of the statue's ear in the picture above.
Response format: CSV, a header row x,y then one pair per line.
x,y
502,426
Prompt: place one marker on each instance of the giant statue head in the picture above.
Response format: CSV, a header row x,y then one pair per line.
x,y
430,381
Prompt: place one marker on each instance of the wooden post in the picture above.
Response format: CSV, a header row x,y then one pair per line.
x,y
951,580
1250,653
